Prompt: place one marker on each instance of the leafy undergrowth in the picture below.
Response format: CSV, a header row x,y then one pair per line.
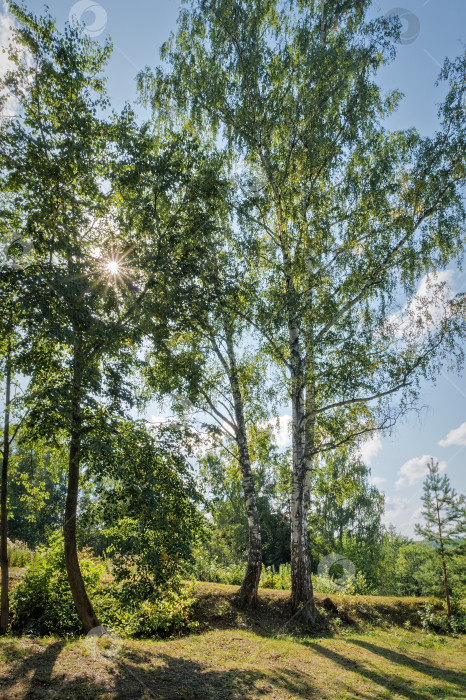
x,y
368,648
15,574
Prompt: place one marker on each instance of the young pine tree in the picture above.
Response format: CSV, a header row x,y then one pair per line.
x,y
445,520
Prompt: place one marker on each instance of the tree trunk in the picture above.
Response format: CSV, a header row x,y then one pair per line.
x,y
78,590
248,592
302,595
445,584
4,604
442,554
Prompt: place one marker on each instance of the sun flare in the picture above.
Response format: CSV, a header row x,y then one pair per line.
x,y
113,267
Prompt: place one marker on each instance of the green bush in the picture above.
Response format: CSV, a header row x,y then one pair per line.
x,y
355,585
434,621
162,615
19,554
276,578
42,603
206,567
325,584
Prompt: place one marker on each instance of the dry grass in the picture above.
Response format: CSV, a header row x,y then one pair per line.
x,y
237,655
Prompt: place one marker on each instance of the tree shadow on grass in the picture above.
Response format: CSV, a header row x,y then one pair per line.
x,y
181,678
140,676
391,681
29,669
396,657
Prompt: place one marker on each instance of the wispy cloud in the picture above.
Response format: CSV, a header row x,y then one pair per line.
x,y
378,480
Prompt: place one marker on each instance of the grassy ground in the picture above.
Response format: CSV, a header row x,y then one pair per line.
x,y
360,651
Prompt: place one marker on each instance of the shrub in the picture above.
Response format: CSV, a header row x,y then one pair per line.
x,y
42,603
438,621
206,567
325,584
19,554
357,585
276,578
162,615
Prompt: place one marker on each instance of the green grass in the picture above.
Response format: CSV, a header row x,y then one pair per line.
x,y
238,655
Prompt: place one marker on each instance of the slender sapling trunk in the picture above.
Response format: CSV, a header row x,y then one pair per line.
x,y
249,589
78,590
4,605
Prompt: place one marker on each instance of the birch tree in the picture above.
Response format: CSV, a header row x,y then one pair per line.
x,y
348,217
209,373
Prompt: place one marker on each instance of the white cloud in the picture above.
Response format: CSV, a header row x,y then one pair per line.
x,y
394,507
282,431
378,480
455,437
427,307
400,513
414,470
370,449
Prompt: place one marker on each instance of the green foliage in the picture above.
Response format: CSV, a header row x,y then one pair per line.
x,y
444,513
334,219
346,512
19,554
37,490
390,546
161,615
145,505
42,603
347,215
418,571
276,578
444,523
439,622
221,476
206,566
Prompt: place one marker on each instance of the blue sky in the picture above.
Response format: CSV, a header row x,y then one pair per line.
x,y
432,29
